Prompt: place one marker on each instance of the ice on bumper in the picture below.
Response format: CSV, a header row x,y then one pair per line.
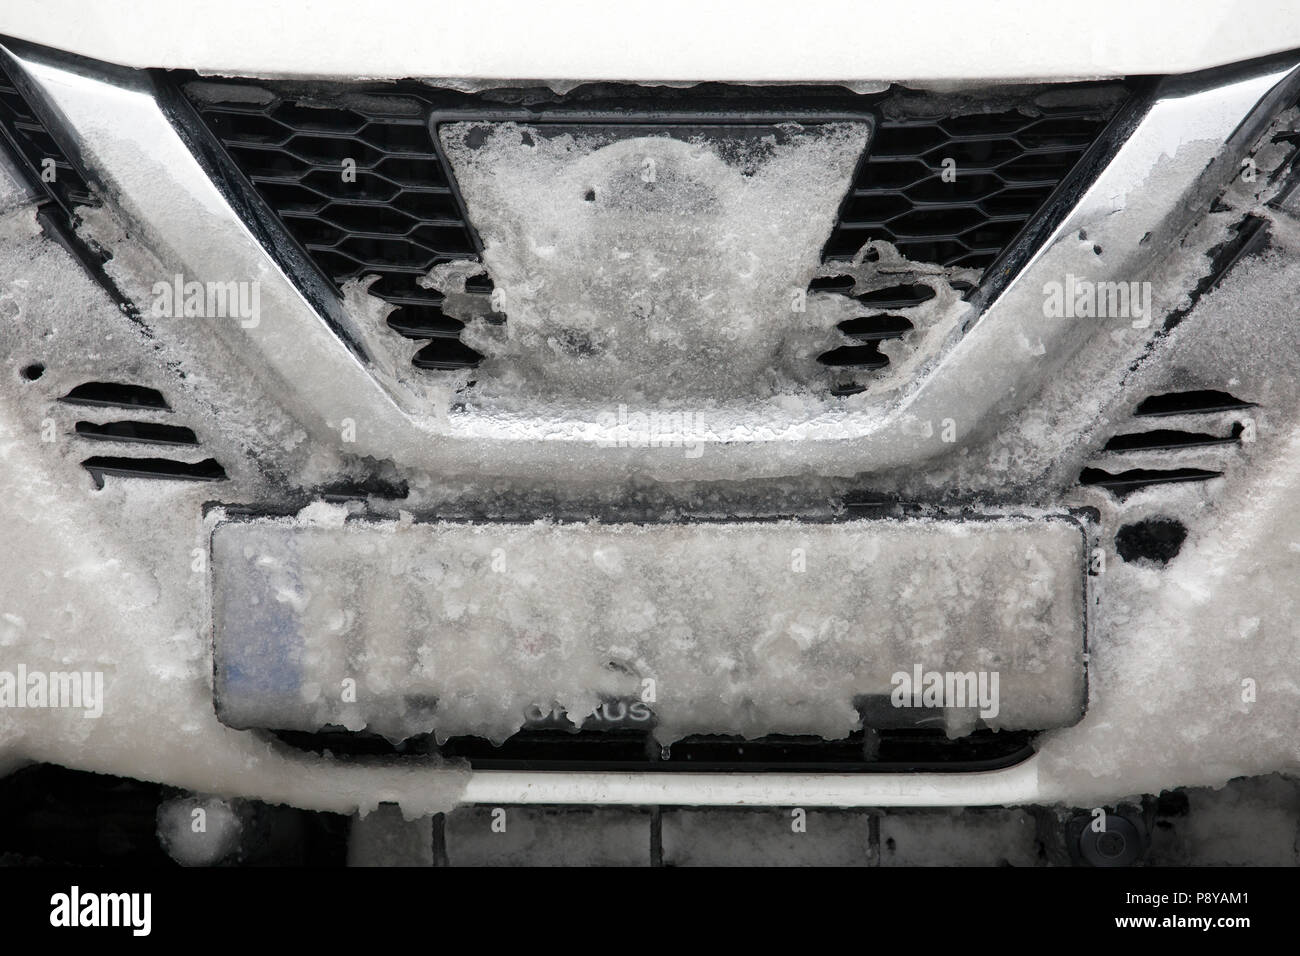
x,y
747,628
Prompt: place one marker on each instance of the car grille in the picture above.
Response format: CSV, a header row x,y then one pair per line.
x,y
912,750
58,183
41,156
396,219
401,216
1002,167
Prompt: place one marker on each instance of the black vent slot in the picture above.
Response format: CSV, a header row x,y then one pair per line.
x,y
868,331
423,321
395,216
866,357
838,283
883,751
54,817
446,354
875,328
1202,402
897,297
1166,439
1007,164
1135,479
145,433
100,466
116,395
142,398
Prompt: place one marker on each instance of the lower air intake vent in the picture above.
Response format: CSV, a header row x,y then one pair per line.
x,y
1163,442
868,330
137,398
884,751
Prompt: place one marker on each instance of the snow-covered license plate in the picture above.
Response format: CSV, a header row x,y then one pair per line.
x,y
736,628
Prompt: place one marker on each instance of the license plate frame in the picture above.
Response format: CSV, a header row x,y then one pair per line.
x,y
276,668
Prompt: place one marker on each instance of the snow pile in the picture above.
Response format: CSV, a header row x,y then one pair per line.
x,y
198,831
638,265
1194,675
107,581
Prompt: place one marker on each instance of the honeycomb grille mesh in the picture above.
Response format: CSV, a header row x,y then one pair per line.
x,y
392,214
1003,167
35,147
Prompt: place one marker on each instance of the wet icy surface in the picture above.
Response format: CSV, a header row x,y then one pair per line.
x,y
106,579
640,265
726,629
